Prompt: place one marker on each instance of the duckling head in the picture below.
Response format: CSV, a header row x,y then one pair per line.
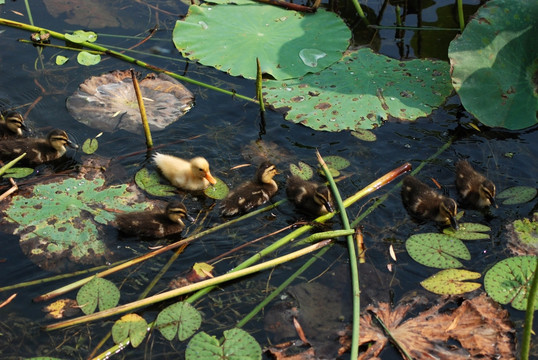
x,y
487,193
14,122
266,172
200,169
448,209
58,139
176,211
323,197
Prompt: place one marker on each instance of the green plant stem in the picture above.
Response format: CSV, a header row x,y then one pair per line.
x,y
421,28
142,107
352,259
393,339
259,93
118,55
189,288
529,317
10,164
325,235
24,41
359,11
460,14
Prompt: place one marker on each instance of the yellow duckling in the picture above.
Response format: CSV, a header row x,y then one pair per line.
x,y
38,151
11,125
475,189
424,203
187,175
154,224
251,193
309,197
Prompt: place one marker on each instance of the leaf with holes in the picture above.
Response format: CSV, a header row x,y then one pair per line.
x,y
98,292
451,282
237,345
437,250
302,170
180,319
131,326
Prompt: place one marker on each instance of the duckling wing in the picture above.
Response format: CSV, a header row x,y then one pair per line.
x,y
245,198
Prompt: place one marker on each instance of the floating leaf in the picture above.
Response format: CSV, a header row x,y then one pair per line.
x,y
237,345
509,281
98,292
60,60
450,282
437,250
18,172
62,308
150,182
203,270
217,191
90,146
495,67
130,326
468,231
278,37
336,162
523,236
302,170
361,91
180,318
364,135
80,36
517,195
85,58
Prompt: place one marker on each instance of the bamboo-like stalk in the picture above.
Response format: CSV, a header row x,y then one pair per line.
x,y
259,94
187,289
529,316
356,293
142,107
118,55
10,164
359,11
460,15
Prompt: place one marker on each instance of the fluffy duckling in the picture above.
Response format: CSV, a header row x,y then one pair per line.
x,y
424,203
187,175
38,151
251,193
474,188
11,125
309,197
154,224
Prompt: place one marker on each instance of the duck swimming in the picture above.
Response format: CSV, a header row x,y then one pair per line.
x,y
11,125
153,224
252,193
312,198
191,175
475,189
424,203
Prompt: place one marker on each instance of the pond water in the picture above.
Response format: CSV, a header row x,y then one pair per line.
x,y
223,129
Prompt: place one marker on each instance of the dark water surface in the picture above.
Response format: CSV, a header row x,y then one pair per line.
x,y
225,127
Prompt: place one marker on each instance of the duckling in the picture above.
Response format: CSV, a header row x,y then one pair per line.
x,y
154,224
475,189
38,151
251,193
424,203
11,125
187,175
311,198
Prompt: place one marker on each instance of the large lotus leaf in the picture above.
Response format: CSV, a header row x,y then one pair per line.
x,y
61,222
495,64
361,91
288,43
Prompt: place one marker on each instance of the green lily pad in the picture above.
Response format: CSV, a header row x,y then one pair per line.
x,y
495,64
302,170
80,36
360,91
61,223
437,250
451,282
98,292
517,195
87,59
90,146
288,44
150,182
18,173
180,319
364,135
468,231
217,191
60,60
131,326
336,162
509,281
237,345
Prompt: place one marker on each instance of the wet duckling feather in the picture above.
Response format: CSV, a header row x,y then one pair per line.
x,y
475,189
309,197
153,224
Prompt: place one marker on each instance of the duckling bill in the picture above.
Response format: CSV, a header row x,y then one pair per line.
x,y
309,197
38,151
424,203
475,189
153,224
191,175
11,125
252,193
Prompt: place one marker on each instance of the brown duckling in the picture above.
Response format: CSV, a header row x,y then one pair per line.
x,y
190,174
475,189
309,197
424,203
153,224
38,151
251,193
11,125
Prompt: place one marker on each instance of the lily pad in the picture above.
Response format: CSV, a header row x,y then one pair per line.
x,y
523,236
495,64
217,191
509,281
98,292
18,172
62,223
131,326
150,182
180,319
517,195
108,102
364,135
237,344
289,44
437,250
90,146
336,162
451,282
469,231
303,170
361,91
